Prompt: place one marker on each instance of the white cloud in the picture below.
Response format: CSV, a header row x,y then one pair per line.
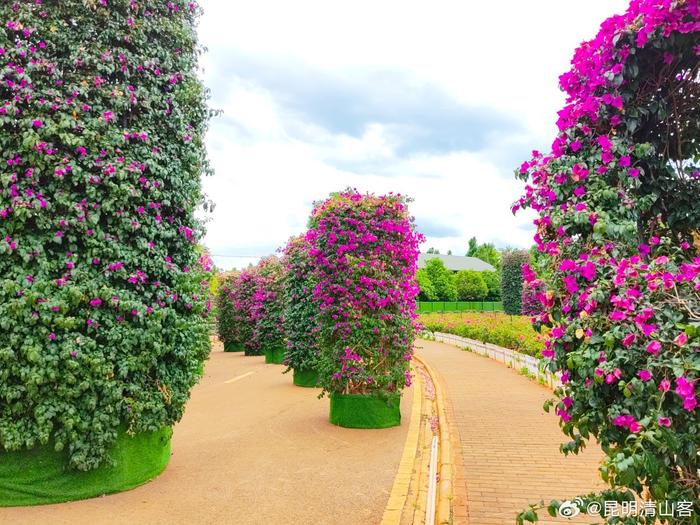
x,y
272,161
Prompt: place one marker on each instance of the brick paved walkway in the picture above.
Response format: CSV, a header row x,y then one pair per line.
x,y
509,444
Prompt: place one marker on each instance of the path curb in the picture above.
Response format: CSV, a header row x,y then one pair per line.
x,y
399,491
443,504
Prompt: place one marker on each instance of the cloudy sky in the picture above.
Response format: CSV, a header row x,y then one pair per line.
x,y
437,100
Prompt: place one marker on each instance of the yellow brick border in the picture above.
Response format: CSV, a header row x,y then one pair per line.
x,y
399,491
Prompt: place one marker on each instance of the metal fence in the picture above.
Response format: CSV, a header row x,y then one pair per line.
x,y
459,306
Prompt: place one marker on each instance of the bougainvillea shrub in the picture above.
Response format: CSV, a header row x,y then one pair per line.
x,y
102,309
244,309
365,249
227,318
617,199
267,311
300,309
512,280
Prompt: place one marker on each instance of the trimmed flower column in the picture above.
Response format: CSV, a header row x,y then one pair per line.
x,y
227,316
244,308
365,249
300,312
104,298
268,310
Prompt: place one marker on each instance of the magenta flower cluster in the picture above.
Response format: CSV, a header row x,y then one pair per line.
x,y
621,270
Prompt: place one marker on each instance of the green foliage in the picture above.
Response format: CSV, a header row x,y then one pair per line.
x,y
300,310
493,283
487,252
227,322
103,316
512,280
427,290
269,305
442,280
470,286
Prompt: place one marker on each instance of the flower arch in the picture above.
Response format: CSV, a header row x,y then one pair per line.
x,y
617,204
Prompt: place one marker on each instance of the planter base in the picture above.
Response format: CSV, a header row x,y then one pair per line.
x,y
230,346
275,357
307,378
39,476
365,411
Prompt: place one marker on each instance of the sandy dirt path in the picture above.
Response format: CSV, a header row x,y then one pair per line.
x,y
256,450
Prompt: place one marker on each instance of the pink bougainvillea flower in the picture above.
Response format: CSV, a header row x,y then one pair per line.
x,y
629,340
681,339
653,347
664,421
644,375
96,302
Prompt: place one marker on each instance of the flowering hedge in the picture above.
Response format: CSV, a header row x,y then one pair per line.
x,y
102,309
617,204
267,311
227,317
300,308
365,249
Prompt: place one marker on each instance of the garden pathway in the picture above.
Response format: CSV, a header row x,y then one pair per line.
x,y
252,449
509,444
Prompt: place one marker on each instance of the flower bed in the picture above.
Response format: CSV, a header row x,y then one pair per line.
x,y
512,332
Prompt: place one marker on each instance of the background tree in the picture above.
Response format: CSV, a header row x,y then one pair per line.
x,y
427,290
442,280
473,247
493,283
470,286
433,251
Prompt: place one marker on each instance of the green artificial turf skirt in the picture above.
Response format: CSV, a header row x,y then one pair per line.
x,y
307,377
365,411
230,346
275,357
40,475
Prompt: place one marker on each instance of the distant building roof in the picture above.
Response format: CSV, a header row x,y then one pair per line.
x,y
456,262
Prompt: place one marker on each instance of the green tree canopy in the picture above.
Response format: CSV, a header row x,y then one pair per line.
x,y
493,283
427,290
442,280
470,286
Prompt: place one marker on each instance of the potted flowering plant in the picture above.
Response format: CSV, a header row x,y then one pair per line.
x,y
365,251
268,310
104,303
244,308
300,313
227,317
